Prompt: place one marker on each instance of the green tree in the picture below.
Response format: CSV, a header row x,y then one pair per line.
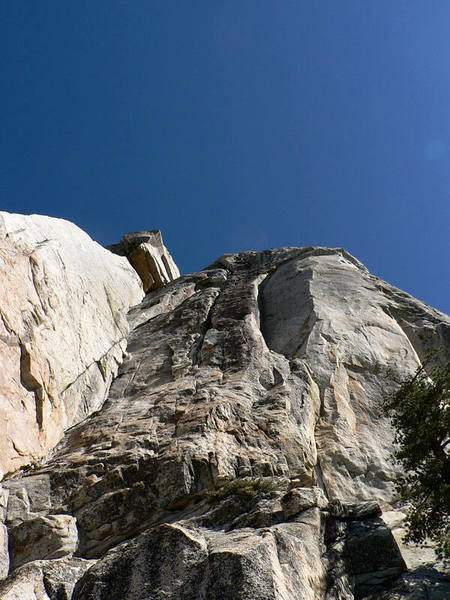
x,y
420,415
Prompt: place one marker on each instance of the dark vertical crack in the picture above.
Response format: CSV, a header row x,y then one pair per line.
x,y
30,383
207,324
6,324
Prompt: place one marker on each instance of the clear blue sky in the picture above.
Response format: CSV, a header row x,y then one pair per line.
x,y
236,124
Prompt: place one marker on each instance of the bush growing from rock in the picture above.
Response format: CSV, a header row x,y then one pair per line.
x,y
420,414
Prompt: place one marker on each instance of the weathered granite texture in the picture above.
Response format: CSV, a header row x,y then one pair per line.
x,y
149,257
241,452
63,302
44,579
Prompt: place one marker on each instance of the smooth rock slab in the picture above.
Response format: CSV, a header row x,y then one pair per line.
x,y
63,302
358,335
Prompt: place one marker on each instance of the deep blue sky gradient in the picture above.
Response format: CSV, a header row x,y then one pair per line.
x,y
234,125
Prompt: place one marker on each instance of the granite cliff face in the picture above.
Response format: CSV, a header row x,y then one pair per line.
x,y
63,328
240,452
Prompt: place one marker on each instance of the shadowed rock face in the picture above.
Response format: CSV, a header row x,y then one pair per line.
x,y
44,579
241,444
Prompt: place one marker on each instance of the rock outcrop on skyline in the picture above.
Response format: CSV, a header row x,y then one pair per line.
x,y
147,254
240,452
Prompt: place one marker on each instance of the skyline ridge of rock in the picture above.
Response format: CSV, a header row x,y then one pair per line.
x,y
239,451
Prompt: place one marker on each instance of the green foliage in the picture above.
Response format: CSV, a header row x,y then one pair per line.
x,y
420,414
246,489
